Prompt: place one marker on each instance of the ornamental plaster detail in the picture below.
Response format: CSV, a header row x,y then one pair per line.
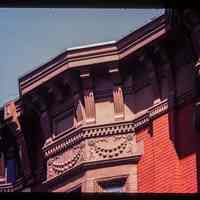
x,y
93,150
111,147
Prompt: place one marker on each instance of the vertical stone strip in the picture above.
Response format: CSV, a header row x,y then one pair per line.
x,y
118,98
88,97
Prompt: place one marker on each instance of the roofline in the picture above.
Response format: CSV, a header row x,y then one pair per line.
x,y
91,45
81,56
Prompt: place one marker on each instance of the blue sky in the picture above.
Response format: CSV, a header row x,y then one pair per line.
x,y
31,36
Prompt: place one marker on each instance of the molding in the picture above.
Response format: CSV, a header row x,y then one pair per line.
x,y
90,56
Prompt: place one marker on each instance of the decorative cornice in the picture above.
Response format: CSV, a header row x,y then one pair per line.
x,y
89,56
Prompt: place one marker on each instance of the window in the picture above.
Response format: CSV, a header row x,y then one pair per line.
x,y
116,185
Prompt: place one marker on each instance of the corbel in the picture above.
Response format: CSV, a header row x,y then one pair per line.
x,y
88,93
118,98
152,76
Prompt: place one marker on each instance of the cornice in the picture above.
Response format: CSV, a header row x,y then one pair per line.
x,y
92,55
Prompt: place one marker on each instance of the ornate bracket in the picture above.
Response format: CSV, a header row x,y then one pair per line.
x,y
88,96
118,98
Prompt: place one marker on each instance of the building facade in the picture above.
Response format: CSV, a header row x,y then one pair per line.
x,y
119,116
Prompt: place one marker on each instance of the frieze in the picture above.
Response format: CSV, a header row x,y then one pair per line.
x,y
66,160
92,150
111,147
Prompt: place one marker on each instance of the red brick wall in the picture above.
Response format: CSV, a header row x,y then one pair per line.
x,y
146,164
165,167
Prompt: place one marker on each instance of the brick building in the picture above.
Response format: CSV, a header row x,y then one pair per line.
x,y
119,116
